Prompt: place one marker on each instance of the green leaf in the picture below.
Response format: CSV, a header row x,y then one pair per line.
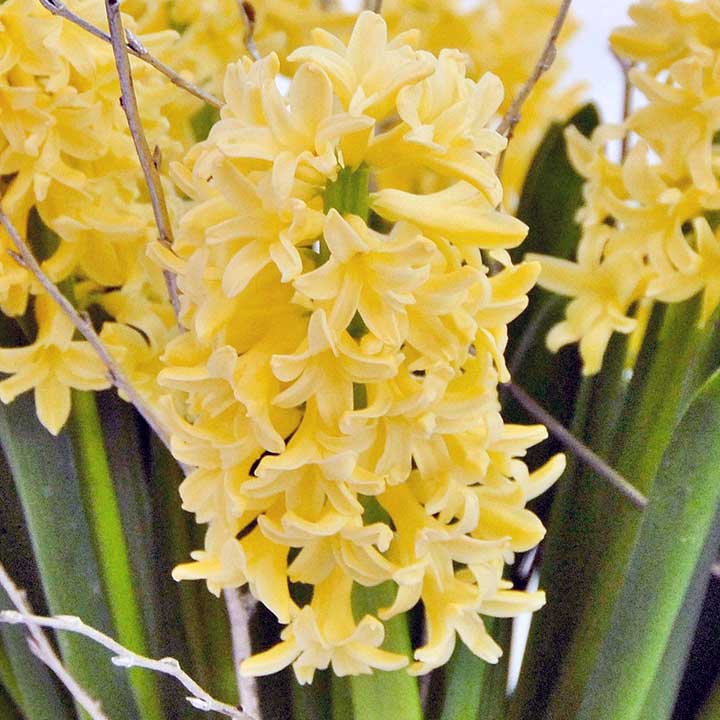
x,y
101,504
663,694
8,709
182,620
711,708
49,489
570,557
552,192
28,682
652,409
676,526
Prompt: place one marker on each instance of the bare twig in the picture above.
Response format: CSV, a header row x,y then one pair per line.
x,y
25,258
625,66
374,5
240,606
42,649
579,449
247,14
136,48
199,698
129,104
545,61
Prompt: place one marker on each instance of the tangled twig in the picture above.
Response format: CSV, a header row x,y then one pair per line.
x,y
247,14
240,606
42,649
579,449
135,47
198,698
544,63
147,162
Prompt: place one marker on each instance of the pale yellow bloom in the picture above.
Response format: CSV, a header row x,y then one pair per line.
x,y
52,365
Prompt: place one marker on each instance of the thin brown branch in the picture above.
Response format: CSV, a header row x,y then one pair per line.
x,y
199,698
240,606
130,106
42,649
545,61
135,47
374,5
625,67
25,257
576,447
247,15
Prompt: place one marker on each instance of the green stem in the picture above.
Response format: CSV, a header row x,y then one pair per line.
x,y
342,701
103,510
371,693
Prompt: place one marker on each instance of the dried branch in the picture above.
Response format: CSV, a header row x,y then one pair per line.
x,y
199,698
545,61
247,14
56,7
42,649
625,67
130,106
25,258
579,449
240,606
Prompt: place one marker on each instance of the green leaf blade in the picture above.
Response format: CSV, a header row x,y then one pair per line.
x,y
676,526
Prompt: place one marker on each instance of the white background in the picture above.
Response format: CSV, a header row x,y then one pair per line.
x,y
590,60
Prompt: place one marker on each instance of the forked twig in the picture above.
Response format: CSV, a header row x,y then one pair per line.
x,y
579,449
42,649
240,606
199,698
25,258
545,61
149,167
134,46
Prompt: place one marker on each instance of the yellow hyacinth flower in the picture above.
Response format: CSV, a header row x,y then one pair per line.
x,y
52,365
646,220
336,392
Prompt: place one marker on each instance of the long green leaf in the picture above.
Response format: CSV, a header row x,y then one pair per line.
x,y
663,694
651,413
711,708
8,709
48,486
181,619
106,524
570,558
28,682
675,529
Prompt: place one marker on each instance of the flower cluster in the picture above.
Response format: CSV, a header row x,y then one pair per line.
x,y
649,230
335,393
504,37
